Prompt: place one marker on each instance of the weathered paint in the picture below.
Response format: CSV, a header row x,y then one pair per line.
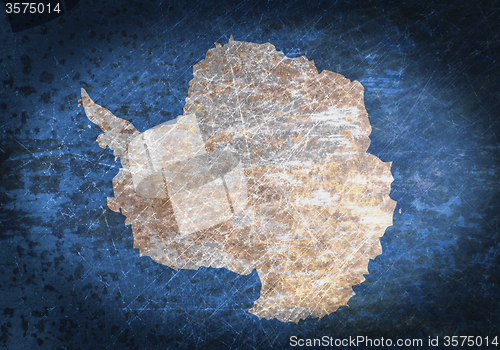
x,y
306,205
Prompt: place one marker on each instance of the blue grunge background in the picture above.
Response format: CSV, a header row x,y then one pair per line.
x,y
69,276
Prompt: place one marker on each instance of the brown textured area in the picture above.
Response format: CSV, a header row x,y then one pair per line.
x,y
307,204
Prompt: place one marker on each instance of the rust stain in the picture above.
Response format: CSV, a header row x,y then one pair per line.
x,y
223,137
303,118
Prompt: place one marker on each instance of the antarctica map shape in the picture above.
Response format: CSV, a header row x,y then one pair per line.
x,y
266,169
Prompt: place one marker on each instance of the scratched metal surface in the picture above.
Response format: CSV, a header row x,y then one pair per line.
x,y
70,277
